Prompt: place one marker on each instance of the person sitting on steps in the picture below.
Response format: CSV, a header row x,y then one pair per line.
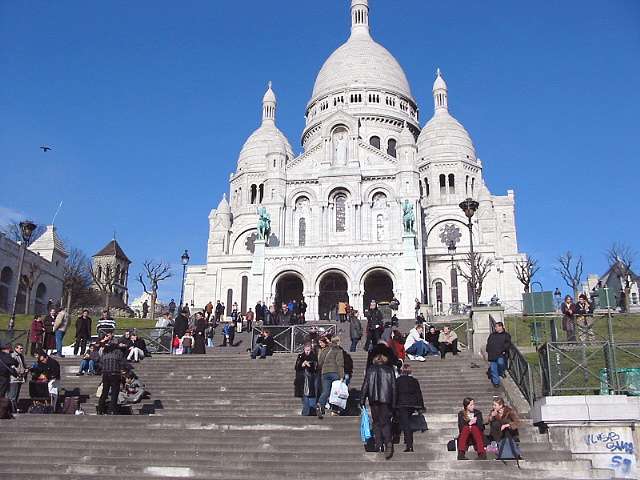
x,y
414,346
503,419
264,345
471,428
448,341
89,361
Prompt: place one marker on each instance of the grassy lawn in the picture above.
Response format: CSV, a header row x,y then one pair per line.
x,y
625,328
23,322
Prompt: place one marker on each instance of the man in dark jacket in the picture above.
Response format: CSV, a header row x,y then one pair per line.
x,y
498,345
355,331
8,366
83,333
375,325
112,365
379,387
264,345
181,324
409,400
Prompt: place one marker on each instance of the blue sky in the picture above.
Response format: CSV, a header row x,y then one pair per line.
x,y
148,103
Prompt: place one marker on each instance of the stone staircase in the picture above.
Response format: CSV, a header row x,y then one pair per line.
x,y
225,416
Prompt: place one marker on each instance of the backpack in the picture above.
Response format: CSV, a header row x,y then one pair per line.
x,y
507,449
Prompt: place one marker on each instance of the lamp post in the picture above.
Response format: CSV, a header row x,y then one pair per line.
x,y
26,231
185,261
454,277
469,207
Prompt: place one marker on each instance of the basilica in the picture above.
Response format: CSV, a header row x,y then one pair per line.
x,y
336,210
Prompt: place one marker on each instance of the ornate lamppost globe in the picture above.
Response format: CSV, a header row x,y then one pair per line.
x,y
469,207
26,230
185,258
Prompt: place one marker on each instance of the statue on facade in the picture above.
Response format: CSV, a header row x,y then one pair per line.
x,y
264,224
340,146
408,217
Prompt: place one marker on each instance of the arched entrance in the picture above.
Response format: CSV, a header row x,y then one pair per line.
x,y
378,286
289,287
334,288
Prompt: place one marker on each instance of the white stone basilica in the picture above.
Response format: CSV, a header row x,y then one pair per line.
x,y
336,214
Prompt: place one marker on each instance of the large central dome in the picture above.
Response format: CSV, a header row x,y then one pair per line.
x,y
361,62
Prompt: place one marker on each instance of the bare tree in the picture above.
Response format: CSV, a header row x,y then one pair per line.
x,y
570,269
77,276
104,279
483,266
13,232
621,258
29,278
526,268
154,272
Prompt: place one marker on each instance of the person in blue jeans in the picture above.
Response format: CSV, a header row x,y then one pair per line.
x,y
89,361
331,366
498,346
60,328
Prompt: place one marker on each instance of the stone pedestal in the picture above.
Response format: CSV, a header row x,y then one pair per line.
x,y
410,281
481,318
256,280
600,428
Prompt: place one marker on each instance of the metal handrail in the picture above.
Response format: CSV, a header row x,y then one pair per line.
x,y
459,326
158,339
521,373
15,336
290,338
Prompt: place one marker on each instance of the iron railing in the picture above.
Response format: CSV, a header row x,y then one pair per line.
x,y
462,327
569,368
291,338
158,340
521,373
15,336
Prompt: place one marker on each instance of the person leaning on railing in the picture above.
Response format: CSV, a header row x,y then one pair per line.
x,y
584,319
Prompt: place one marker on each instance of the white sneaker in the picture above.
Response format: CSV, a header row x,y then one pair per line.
x,y
420,359
411,357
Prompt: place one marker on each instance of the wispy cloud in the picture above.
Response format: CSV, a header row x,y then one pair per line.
x,y
8,215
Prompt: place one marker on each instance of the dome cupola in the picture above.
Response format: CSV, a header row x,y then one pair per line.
x,y
258,145
443,137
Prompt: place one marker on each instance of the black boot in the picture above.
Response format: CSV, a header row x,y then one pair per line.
x,y
408,449
388,451
461,455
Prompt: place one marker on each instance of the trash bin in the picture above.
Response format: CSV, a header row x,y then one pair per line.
x,y
536,328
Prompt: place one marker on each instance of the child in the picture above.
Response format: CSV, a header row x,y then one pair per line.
x,y
210,332
187,343
228,334
89,360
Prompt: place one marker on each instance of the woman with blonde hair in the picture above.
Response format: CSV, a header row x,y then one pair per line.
x,y
503,419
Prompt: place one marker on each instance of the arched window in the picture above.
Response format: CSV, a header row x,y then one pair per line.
x,y
375,142
391,147
443,185
466,185
341,212
117,277
123,277
439,305
244,293
380,227
452,183
41,298
473,186
6,277
254,193
426,187
260,192
302,232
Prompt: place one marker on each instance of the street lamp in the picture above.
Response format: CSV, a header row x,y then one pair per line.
x,y
185,261
26,231
454,277
469,207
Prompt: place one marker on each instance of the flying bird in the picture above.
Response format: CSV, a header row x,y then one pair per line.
x,y
45,148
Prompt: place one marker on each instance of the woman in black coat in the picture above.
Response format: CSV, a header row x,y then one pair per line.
x,y
304,385
409,400
199,339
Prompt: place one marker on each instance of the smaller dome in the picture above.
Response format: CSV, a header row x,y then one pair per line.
x,y
443,137
439,83
260,143
269,95
223,206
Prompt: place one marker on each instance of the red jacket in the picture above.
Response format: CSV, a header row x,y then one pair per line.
x,y
398,349
37,329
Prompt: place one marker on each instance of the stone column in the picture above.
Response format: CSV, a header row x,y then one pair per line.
x,y
311,298
481,318
256,280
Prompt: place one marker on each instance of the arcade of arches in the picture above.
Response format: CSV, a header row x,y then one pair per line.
x,y
332,288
